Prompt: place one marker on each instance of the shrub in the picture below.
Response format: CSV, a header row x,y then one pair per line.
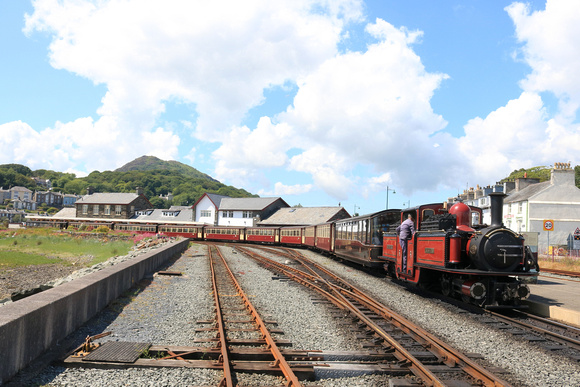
x,y
103,229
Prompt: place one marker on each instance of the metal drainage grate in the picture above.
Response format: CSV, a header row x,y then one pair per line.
x,y
117,351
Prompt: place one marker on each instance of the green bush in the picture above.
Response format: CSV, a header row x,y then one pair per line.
x,y
103,229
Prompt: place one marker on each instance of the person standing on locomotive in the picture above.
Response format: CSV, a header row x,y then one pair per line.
x,y
405,231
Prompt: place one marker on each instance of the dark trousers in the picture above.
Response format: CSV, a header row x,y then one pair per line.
x,y
404,251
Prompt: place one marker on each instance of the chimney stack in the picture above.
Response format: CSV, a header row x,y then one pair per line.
x,y
496,199
139,191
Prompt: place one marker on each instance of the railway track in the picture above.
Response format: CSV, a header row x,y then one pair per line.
x,y
242,343
440,364
574,274
549,334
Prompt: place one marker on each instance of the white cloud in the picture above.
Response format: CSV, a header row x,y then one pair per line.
x,y
373,108
92,145
551,40
509,138
521,134
370,108
219,55
245,154
281,189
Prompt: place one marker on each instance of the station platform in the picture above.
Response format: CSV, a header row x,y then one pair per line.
x,y
557,297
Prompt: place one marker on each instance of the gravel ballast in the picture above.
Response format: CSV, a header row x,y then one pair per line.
x,y
165,311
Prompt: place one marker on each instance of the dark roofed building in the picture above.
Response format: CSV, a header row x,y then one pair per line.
x,y
304,216
111,205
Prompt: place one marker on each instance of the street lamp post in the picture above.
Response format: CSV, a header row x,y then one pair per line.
x,y
354,212
389,189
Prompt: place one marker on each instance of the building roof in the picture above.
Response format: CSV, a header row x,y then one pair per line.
x,y
247,204
164,215
19,188
214,198
527,192
108,198
66,213
300,216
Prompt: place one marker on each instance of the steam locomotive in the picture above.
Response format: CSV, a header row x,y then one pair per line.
x,y
483,264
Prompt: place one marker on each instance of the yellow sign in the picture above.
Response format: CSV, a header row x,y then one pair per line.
x,y
548,225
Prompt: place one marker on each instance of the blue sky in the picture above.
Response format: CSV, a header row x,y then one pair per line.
x,y
318,101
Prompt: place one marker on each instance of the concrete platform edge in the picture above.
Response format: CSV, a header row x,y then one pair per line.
x,y
564,315
30,326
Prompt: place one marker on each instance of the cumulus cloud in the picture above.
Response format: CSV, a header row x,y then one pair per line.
x,y
522,134
551,40
217,56
357,108
508,138
80,146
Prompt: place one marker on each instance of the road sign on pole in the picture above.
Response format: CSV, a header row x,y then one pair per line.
x,y
548,225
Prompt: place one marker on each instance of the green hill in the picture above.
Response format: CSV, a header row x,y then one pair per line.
x,y
150,163
541,172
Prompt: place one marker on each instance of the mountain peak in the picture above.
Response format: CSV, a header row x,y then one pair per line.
x,y
149,163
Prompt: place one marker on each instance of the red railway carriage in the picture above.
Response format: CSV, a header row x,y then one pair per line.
x,y
310,236
291,236
325,237
360,239
233,234
141,228
182,230
263,234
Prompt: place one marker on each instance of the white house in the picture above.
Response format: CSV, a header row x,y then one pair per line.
x,y
556,201
206,208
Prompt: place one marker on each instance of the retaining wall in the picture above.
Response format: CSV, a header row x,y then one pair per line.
x,y
30,326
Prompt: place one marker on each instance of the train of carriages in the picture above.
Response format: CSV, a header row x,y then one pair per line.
x,y
451,251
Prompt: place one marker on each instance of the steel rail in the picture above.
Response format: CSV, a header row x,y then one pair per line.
x,y
574,274
569,341
402,354
279,359
446,353
224,358
441,350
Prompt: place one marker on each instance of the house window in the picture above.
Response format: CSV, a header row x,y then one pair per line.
x,y
107,209
205,214
520,205
95,209
228,214
118,209
247,214
85,209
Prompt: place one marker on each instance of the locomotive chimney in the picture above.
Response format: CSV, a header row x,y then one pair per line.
x,y
496,199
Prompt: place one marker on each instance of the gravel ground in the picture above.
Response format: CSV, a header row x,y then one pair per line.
x,y
165,312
